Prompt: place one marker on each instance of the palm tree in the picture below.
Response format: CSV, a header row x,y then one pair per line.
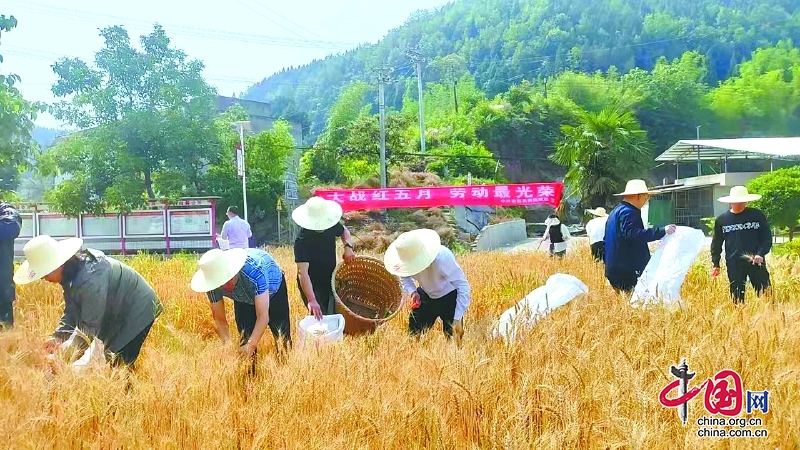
x,y
601,154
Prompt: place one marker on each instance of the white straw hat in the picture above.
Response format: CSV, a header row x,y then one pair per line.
x,y
43,254
636,187
412,252
317,214
739,194
216,267
599,211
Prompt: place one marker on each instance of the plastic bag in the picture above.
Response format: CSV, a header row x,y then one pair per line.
x,y
224,244
559,290
329,330
663,277
94,354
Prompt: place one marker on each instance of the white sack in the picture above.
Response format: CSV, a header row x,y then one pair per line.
x,y
663,277
559,290
329,330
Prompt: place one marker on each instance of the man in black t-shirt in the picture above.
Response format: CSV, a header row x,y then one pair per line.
x,y
315,252
747,237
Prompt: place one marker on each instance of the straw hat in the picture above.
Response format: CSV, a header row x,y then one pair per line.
x,y
636,187
216,267
599,211
43,254
412,252
317,214
739,194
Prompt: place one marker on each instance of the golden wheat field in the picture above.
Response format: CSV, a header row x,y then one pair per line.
x,y
586,376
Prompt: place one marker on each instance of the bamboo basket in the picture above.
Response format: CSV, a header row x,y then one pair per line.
x,y
366,294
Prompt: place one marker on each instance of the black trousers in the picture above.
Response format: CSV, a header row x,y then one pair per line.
x,y
738,274
598,249
422,319
323,292
6,313
279,322
623,282
127,355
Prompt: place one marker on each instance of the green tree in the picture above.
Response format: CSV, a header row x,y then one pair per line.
x,y
780,197
601,154
321,162
673,98
266,157
16,122
147,117
764,98
459,159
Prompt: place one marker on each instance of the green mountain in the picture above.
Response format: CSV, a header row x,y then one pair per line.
x,y
502,42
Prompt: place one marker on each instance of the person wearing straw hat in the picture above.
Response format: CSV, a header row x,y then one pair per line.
x,y
10,226
315,252
104,298
626,252
558,235
596,231
443,292
747,237
257,286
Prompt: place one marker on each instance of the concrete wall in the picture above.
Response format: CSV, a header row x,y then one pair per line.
x,y
495,236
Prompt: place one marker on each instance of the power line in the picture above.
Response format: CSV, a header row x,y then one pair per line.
x,y
262,15
416,56
103,19
286,19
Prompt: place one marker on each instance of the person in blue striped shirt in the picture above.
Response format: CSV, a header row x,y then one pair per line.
x,y
257,286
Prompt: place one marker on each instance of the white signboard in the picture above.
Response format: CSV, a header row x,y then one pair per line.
x,y
190,222
107,225
27,226
239,161
145,224
56,225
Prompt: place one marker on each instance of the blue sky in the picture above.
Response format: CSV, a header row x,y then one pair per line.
x,y
240,43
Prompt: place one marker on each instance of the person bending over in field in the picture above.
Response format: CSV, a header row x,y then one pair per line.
x,y
747,238
443,293
257,286
104,298
315,252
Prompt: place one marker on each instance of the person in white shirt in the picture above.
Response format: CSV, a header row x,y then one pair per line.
x,y
236,231
596,231
557,234
443,292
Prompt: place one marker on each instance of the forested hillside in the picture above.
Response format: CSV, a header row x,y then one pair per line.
x,y
502,42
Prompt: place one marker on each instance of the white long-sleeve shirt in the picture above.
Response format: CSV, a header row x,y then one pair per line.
x,y
557,246
237,232
596,229
440,278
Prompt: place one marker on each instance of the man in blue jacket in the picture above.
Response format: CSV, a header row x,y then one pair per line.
x,y
10,225
626,249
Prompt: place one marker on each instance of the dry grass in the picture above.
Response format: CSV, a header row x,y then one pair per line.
x,y
588,376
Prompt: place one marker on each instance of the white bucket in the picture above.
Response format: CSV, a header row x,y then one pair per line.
x,y
330,329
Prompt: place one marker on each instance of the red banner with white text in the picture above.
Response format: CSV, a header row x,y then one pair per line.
x,y
528,194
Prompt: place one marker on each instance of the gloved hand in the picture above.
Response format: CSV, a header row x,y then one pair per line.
x,y
458,331
415,300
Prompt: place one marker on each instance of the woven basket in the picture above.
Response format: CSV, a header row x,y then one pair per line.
x,y
366,294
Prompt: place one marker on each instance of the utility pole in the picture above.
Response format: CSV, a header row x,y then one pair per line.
x,y
417,58
455,94
384,76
